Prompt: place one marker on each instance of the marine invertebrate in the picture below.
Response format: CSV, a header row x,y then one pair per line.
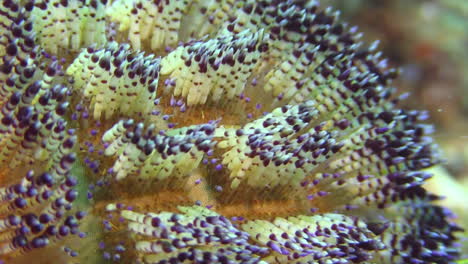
x,y
275,139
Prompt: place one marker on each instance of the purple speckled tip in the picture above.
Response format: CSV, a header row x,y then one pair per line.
x,y
119,248
351,207
254,82
106,255
91,149
45,54
322,193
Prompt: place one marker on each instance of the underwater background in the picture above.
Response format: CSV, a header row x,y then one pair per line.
x,y
233,131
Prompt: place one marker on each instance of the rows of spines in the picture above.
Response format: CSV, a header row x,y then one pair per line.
x,y
116,79
66,25
37,212
327,238
201,235
217,69
153,155
418,232
289,147
292,28
156,22
308,66
280,148
32,127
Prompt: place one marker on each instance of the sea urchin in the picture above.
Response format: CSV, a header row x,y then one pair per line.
x,y
231,131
